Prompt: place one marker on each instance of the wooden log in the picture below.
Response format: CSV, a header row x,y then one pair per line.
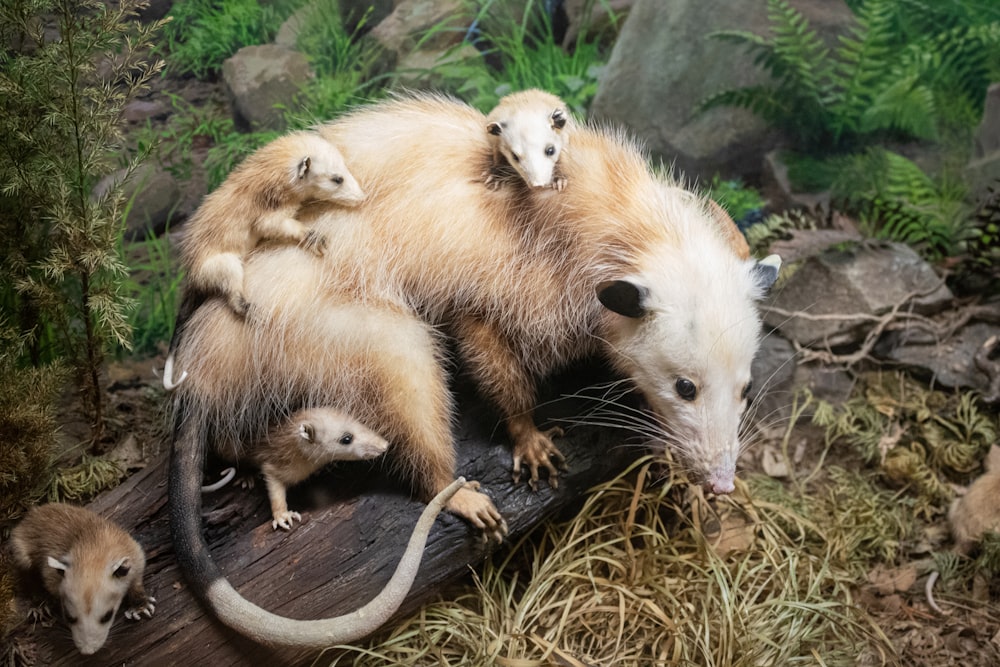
x,y
356,522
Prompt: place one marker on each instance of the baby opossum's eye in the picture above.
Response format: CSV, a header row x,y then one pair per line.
x,y
346,439
686,389
338,180
71,619
517,158
550,150
746,390
107,616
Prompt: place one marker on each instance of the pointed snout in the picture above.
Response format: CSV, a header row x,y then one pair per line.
x,y
720,482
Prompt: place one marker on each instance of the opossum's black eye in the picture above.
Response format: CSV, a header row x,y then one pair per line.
x,y
746,390
346,439
339,180
686,389
517,158
107,616
550,150
71,619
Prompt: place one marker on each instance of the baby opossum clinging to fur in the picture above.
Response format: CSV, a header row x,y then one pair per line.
x,y
88,563
305,442
257,202
528,132
644,273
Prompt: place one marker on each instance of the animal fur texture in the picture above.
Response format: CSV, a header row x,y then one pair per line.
x,y
304,443
528,131
88,563
621,262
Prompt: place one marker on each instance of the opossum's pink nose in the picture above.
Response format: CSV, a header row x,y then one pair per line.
x,y
719,486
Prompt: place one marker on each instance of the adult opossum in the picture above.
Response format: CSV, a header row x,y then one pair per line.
x,y
88,563
528,131
621,262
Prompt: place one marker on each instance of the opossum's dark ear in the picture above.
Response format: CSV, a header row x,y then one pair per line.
x,y
765,272
304,166
308,431
559,119
121,568
61,565
494,129
623,297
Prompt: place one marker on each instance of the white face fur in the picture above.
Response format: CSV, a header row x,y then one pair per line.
x,y
90,601
689,351
531,141
338,437
323,175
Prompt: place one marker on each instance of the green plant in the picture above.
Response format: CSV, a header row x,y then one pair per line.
x,y
154,284
527,56
203,33
732,195
61,101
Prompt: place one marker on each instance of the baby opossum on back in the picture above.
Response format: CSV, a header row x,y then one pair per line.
x,y
258,201
302,444
528,132
86,562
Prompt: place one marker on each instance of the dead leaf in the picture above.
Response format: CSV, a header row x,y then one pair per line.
x,y
773,463
892,580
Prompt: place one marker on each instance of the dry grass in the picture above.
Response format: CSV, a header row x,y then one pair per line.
x,y
647,574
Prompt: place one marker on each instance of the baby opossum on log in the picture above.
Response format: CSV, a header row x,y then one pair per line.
x,y
304,443
88,563
643,271
258,201
528,132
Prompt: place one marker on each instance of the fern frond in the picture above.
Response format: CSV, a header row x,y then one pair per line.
x,y
905,106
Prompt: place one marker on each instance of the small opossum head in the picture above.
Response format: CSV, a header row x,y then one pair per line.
x,y
327,435
531,139
322,174
686,330
91,589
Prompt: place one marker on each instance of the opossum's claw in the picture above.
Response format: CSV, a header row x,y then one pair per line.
x,y
315,241
558,183
477,508
285,520
144,609
537,450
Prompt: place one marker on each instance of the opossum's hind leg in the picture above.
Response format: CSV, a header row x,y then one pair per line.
x,y
223,274
501,376
421,410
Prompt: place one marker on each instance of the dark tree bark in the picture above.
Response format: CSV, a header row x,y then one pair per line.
x,y
356,521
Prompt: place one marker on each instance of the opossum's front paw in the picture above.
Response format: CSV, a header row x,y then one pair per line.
x,y
144,609
558,183
491,180
536,449
477,508
285,520
314,241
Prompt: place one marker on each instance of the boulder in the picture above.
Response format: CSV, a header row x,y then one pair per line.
x,y
987,137
951,363
431,25
258,79
851,287
663,64
593,16
152,196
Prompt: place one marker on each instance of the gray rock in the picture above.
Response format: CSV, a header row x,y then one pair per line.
x,y
865,281
593,16
773,372
258,78
352,13
139,111
416,71
153,196
983,174
987,138
663,64
950,363
410,25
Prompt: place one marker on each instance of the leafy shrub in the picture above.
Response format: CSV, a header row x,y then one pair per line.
x,y
732,195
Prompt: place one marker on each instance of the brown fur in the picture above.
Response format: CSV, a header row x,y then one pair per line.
x,y
978,511
93,553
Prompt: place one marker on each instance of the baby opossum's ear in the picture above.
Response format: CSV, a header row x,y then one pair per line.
x,y
61,565
121,567
623,297
765,272
494,129
558,119
304,166
307,432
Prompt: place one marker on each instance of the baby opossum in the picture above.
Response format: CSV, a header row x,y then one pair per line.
x,y
302,444
528,132
86,562
258,201
974,514
643,272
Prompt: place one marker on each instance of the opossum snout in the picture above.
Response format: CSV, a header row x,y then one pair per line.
x,y
720,484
